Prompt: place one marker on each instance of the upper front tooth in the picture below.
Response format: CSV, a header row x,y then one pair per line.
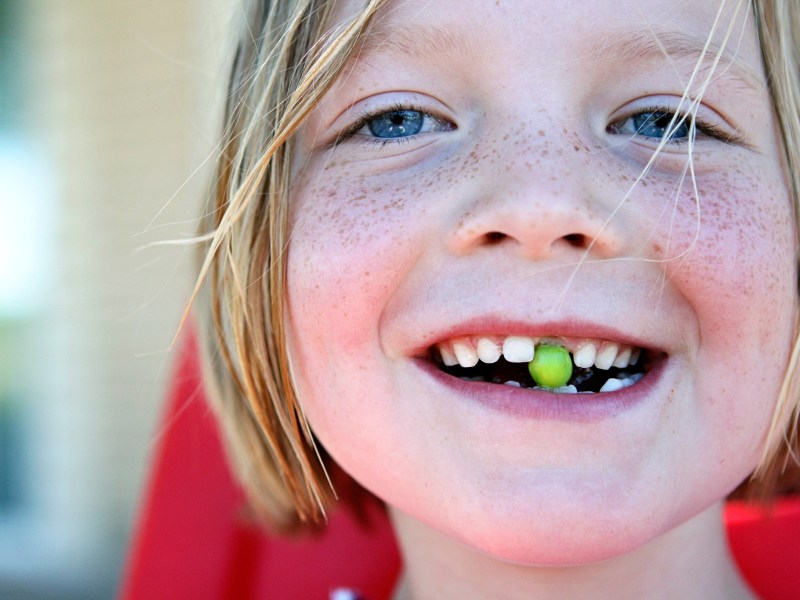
x,y
623,358
465,353
488,351
606,356
518,349
584,356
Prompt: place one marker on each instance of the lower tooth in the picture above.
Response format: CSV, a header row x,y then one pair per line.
x,y
513,383
566,389
612,385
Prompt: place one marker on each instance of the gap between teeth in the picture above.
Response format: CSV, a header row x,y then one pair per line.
x,y
587,353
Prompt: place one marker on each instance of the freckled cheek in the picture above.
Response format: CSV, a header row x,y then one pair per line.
x,y
740,271
351,242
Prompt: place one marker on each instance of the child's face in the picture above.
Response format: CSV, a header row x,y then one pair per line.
x,y
465,214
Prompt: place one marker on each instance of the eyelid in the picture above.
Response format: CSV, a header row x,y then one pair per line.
x,y
355,117
362,121
708,122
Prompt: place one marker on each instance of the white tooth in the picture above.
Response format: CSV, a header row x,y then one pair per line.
x,y
624,357
466,355
513,383
566,389
635,356
488,351
612,385
518,349
636,377
448,358
584,357
606,356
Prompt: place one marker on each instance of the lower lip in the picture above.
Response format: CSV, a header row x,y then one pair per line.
x,y
536,404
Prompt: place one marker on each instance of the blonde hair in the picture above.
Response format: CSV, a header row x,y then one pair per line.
x,y
285,62
778,26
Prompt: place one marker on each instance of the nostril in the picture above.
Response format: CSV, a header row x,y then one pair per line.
x,y
495,236
577,240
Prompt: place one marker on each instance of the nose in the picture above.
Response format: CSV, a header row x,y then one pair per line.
x,y
541,212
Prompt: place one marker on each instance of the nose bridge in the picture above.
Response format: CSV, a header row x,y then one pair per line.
x,y
544,195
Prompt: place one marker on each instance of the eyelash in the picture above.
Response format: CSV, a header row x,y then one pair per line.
x,y
363,119
700,126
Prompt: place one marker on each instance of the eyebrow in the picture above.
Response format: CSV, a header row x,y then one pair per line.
x,y
417,43
421,43
647,45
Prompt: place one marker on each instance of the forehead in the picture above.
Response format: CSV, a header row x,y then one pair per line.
x,y
556,34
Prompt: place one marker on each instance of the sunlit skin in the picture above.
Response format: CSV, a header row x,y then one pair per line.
x,y
511,213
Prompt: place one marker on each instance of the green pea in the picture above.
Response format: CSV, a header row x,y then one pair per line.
x,y
551,366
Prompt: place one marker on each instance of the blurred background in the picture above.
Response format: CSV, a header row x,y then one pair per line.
x,y
109,112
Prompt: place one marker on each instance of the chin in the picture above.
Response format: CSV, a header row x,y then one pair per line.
x,y
564,533
564,542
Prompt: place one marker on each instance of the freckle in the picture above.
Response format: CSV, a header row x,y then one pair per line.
x,y
541,133
577,148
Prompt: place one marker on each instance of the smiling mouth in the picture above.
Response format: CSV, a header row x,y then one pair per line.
x,y
598,366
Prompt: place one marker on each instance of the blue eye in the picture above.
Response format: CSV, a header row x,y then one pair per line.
x,y
396,124
654,124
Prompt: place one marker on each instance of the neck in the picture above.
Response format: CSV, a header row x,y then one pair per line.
x,y
691,561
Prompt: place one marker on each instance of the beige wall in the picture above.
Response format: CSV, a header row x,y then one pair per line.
x,y
124,104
